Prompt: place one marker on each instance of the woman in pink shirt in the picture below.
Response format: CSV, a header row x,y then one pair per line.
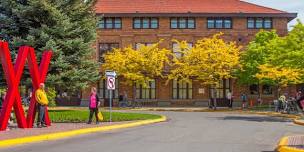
x,y
93,105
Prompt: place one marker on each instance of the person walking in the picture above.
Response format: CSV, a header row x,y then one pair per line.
x,y
300,99
229,97
93,106
282,102
42,102
244,100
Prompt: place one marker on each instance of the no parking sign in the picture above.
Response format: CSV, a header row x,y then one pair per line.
x,y
110,86
111,83
110,79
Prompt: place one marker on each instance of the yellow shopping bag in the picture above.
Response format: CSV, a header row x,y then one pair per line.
x,y
100,116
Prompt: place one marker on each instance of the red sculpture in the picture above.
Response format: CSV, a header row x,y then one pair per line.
x,y
13,76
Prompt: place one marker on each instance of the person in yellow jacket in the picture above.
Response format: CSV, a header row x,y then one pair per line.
x,y
42,102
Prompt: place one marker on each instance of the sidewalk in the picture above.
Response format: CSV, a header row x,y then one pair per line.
x,y
17,136
15,132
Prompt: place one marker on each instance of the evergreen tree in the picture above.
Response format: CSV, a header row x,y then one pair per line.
x,y
68,27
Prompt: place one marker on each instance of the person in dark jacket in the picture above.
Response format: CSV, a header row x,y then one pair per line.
x,y
93,105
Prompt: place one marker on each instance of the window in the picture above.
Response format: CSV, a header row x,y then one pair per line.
x,y
250,23
182,23
137,23
154,23
110,23
104,48
145,23
177,51
103,92
221,90
138,45
219,23
211,24
174,23
259,23
266,90
254,89
182,90
227,23
267,23
146,92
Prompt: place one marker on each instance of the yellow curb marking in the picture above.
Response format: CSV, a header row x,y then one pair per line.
x,y
298,122
53,136
283,146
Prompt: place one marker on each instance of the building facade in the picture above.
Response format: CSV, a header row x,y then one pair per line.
x,y
134,23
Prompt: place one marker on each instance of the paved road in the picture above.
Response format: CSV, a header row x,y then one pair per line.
x,y
185,132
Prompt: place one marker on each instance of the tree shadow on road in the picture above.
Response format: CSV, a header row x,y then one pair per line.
x,y
256,118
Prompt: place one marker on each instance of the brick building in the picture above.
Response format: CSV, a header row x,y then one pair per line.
x,y
134,22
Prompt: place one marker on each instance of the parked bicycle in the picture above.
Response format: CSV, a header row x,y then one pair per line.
x,y
290,106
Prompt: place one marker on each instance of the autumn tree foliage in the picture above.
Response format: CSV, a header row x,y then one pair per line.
x,y
209,60
137,66
280,76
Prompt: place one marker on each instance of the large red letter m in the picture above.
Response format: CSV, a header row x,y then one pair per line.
x,y
13,75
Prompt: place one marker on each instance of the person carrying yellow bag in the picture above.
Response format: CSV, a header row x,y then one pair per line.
x,y
93,106
42,101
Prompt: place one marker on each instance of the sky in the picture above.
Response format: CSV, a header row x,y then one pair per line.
x,y
292,6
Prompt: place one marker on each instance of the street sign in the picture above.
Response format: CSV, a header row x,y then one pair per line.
x,y
110,73
111,83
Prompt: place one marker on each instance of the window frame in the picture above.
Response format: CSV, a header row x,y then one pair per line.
x,y
187,22
263,22
257,89
180,89
110,48
172,47
144,43
141,19
113,23
143,89
223,19
224,88
269,87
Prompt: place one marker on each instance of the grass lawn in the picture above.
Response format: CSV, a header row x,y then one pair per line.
x,y
83,115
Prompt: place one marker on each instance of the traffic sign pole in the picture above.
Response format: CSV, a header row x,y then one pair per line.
x,y
110,86
110,93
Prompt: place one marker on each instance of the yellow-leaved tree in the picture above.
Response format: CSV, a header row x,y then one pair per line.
x,y
279,76
209,60
137,66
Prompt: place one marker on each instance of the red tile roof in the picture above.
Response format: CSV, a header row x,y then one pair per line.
x,y
180,6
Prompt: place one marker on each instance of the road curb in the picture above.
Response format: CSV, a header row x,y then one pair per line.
x,y
284,147
298,122
61,135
